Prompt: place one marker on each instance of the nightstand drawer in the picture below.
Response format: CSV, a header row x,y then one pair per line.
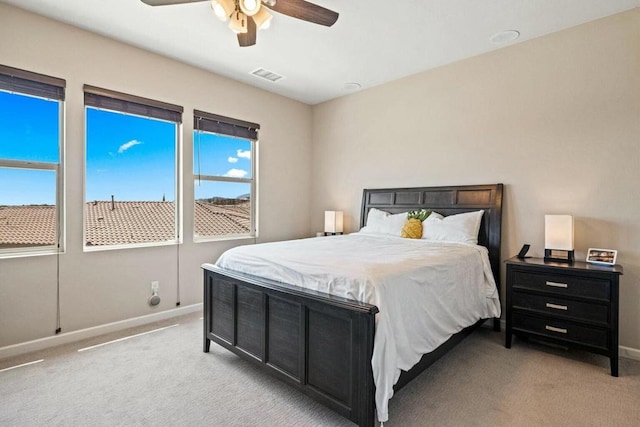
x,y
563,285
592,313
595,337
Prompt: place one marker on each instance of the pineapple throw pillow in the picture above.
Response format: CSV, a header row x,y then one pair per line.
x,y
412,229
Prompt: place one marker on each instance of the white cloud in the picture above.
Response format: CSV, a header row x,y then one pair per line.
x,y
236,173
124,147
244,153
232,160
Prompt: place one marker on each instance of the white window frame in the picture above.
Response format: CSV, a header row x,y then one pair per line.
x,y
253,233
177,177
58,168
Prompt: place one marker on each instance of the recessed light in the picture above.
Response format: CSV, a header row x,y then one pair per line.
x,y
504,36
352,86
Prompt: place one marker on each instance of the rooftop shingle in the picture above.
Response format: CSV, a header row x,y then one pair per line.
x,y
128,222
121,222
220,220
27,226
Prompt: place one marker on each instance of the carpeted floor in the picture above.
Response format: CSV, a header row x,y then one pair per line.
x,y
164,378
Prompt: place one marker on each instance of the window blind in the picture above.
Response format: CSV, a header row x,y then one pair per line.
x,y
29,83
224,125
131,104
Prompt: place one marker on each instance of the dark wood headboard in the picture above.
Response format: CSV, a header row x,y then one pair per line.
x,y
447,201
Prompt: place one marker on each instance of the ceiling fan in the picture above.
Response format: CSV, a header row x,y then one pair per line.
x,y
248,16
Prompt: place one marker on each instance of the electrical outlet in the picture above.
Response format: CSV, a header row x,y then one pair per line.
x,y
155,286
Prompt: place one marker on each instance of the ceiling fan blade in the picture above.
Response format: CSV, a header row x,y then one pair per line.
x,y
168,2
248,38
306,11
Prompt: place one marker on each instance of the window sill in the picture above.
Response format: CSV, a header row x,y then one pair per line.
x,y
223,238
100,248
30,252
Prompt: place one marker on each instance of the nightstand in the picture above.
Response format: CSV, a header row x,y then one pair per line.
x,y
569,304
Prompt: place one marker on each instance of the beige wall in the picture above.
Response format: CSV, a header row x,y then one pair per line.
x,y
107,286
556,119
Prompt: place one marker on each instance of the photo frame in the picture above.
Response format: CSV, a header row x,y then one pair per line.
x,y
602,256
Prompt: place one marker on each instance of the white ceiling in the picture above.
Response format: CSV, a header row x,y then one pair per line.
x,y
373,41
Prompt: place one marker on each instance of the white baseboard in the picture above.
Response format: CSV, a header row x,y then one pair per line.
x,y
42,343
629,353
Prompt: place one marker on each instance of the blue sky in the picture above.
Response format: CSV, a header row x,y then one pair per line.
x,y
28,131
219,155
130,157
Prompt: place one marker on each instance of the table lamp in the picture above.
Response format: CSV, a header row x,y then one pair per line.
x,y
558,238
332,223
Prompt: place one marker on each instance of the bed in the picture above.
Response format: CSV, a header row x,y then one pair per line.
x,y
323,344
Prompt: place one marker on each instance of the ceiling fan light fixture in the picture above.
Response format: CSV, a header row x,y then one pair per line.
x,y
238,23
247,16
223,8
262,19
249,7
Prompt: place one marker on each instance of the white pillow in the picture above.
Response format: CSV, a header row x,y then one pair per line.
x,y
381,222
461,228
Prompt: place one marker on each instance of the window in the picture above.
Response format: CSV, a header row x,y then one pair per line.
x,y
31,153
224,173
131,179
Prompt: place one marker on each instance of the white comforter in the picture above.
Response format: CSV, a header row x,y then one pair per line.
x,y
426,291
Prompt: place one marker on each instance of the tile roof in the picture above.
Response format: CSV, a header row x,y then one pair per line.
x,y
27,226
220,220
128,222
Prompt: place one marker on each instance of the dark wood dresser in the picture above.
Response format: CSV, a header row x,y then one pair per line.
x,y
569,304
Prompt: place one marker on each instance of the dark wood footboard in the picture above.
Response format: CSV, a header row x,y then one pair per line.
x,y
319,343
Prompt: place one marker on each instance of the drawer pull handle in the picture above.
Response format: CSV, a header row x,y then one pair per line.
x,y
556,306
554,329
556,284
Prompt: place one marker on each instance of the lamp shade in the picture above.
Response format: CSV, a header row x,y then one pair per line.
x,y
223,8
333,222
262,19
558,232
249,7
238,23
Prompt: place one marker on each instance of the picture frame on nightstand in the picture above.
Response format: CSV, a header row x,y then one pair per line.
x,y
602,256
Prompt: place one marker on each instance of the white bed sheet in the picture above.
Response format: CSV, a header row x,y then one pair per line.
x,y
426,291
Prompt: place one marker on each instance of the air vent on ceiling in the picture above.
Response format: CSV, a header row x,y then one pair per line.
x,y
266,74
